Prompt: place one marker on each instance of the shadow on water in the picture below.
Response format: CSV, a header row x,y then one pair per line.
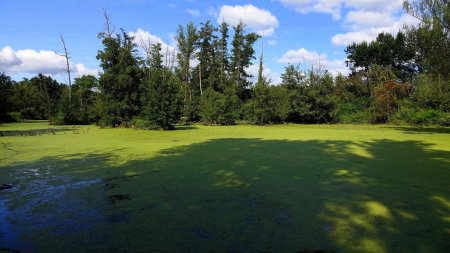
x,y
423,130
235,195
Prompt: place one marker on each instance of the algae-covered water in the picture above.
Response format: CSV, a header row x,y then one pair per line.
x,y
289,188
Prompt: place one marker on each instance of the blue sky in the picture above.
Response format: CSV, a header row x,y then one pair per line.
x,y
295,31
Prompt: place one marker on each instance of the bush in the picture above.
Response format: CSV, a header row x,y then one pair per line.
x,y
411,113
444,120
353,112
140,123
15,116
219,109
386,100
432,93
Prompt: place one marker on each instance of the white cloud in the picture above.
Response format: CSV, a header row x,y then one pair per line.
x,y
34,62
301,56
364,19
332,7
335,7
314,59
375,5
142,38
259,20
83,70
193,12
370,33
8,58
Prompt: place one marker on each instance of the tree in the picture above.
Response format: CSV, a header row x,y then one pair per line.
x,y
430,12
120,80
218,108
163,102
66,56
431,39
6,102
49,92
385,51
186,40
223,56
206,55
386,100
77,104
294,81
242,54
281,103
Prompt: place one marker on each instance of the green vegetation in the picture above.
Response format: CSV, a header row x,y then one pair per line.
x,y
398,78
289,188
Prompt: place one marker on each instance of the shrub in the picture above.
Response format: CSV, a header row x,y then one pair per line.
x,y
217,108
386,101
140,123
411,113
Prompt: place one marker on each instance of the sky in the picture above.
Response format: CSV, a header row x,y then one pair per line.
x,y
305,32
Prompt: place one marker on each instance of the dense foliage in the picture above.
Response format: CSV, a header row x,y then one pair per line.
x,y
401,77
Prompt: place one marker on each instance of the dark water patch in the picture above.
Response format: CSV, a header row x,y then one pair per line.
x,y
9,250
35,132
56,189
42,203
9,237
6,186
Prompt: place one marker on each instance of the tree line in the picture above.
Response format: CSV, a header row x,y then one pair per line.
x,y
395,78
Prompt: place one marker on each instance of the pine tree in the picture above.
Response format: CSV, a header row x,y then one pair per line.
x,y
120,80
241,58
163,103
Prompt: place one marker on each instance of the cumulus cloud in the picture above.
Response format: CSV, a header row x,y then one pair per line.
x,y
34,62
335,7
374,5
143,38
364,19
83,70
332,7
370,33
313,59
8,58
259,20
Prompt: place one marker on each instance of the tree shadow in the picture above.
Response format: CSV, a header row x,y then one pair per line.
x,y
236,195
423,130
185,127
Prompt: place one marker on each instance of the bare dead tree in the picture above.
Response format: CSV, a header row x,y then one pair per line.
x,y
200,77
109,28
172,62
166,63
146,45
67,57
